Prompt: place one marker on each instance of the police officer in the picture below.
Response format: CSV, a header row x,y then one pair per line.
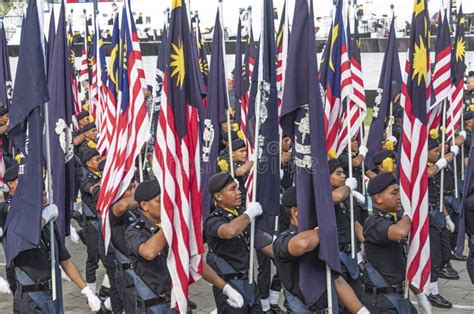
x,y
148,247
468,97
288,248
385,250
82,120
31,269
90,189
90,138
242,165
121,215
384,161
341,190
440,246
469,220
227,235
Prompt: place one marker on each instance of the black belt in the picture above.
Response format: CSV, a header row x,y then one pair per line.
x,y
235,276
89,218
472,254
396,288
42,286
154,301
345,248
123,266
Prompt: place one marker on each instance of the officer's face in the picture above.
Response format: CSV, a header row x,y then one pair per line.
x,y
91,134
93,163
354,145
230,196
153,207
338,178
4,119
12,186
286,144
470,83
389,199
240,155
434,154
84,121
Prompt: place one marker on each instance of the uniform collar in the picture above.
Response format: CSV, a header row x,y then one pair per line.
x,y
233,212
150,225
386,215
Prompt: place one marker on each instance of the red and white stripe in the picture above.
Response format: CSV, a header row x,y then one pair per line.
x,y
2,161
131,130
453,114
176,163
84,73
414,188
441,86
282,56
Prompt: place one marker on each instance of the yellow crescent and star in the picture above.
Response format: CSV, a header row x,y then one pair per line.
x,y
335,33
177,63
420,55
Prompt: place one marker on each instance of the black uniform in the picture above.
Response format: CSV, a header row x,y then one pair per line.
x,y
123,281
233,252
35,265
388,258
289,270
154,273
469,220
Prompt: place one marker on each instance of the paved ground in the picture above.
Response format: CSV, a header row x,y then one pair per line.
x,y
460,292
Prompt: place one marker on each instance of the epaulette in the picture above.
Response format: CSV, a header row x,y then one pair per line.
x,y
139,224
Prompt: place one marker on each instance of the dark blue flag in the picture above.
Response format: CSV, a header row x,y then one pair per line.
x,y
303,119
203,64
60,111
267,145
323,71
23,225
390,85
6,87
238,77
214,113
50,42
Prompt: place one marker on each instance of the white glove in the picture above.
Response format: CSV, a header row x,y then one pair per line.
x,y
363,150
282,173
463,134
50,212
455,150
358,197
392,139
441,163
450,224
92,299
4,286
74,235
363,310
234,298
424,302
351,183
254,209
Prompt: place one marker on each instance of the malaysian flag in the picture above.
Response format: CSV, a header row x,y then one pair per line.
x,y
390,85
282,41
414,153
339,84
302,112
238,72
202,51
86,58
72,60
131,126
176,161
356,108
441,73
161,64
453,115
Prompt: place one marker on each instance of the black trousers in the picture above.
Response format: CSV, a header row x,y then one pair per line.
x,y
436,252
264,280
378,304
125,288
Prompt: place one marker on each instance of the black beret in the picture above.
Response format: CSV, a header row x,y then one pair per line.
x,y
88,126
468,115
471,73
147,190
88,154
432,143
234,135
219,181
11,174
380,182
101,165
380,156
81,115
237,144
288,199
333,165
3,111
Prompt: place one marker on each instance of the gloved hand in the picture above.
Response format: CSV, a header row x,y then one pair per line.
x,y
363,150
74,235
50,212
441,163
424,303
455,150
4,286
234,298
92,299
363,310
358,197
254,209
463,134
393,139
351,183
450,224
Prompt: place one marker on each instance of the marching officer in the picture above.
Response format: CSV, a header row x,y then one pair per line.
x,y
227,235
385,250
90,138
82,120
469,219
385,162
288,248
148,247
468,97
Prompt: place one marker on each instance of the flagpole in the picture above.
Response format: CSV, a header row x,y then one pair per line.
x,y
462,146
362,140
329,288
49,180
456,190
443,152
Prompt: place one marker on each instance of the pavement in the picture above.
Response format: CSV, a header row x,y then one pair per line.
x,y
459,292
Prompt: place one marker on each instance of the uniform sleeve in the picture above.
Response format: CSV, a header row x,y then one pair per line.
x,y
63,253
212,225
280,248
85,184
376,231
135,237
